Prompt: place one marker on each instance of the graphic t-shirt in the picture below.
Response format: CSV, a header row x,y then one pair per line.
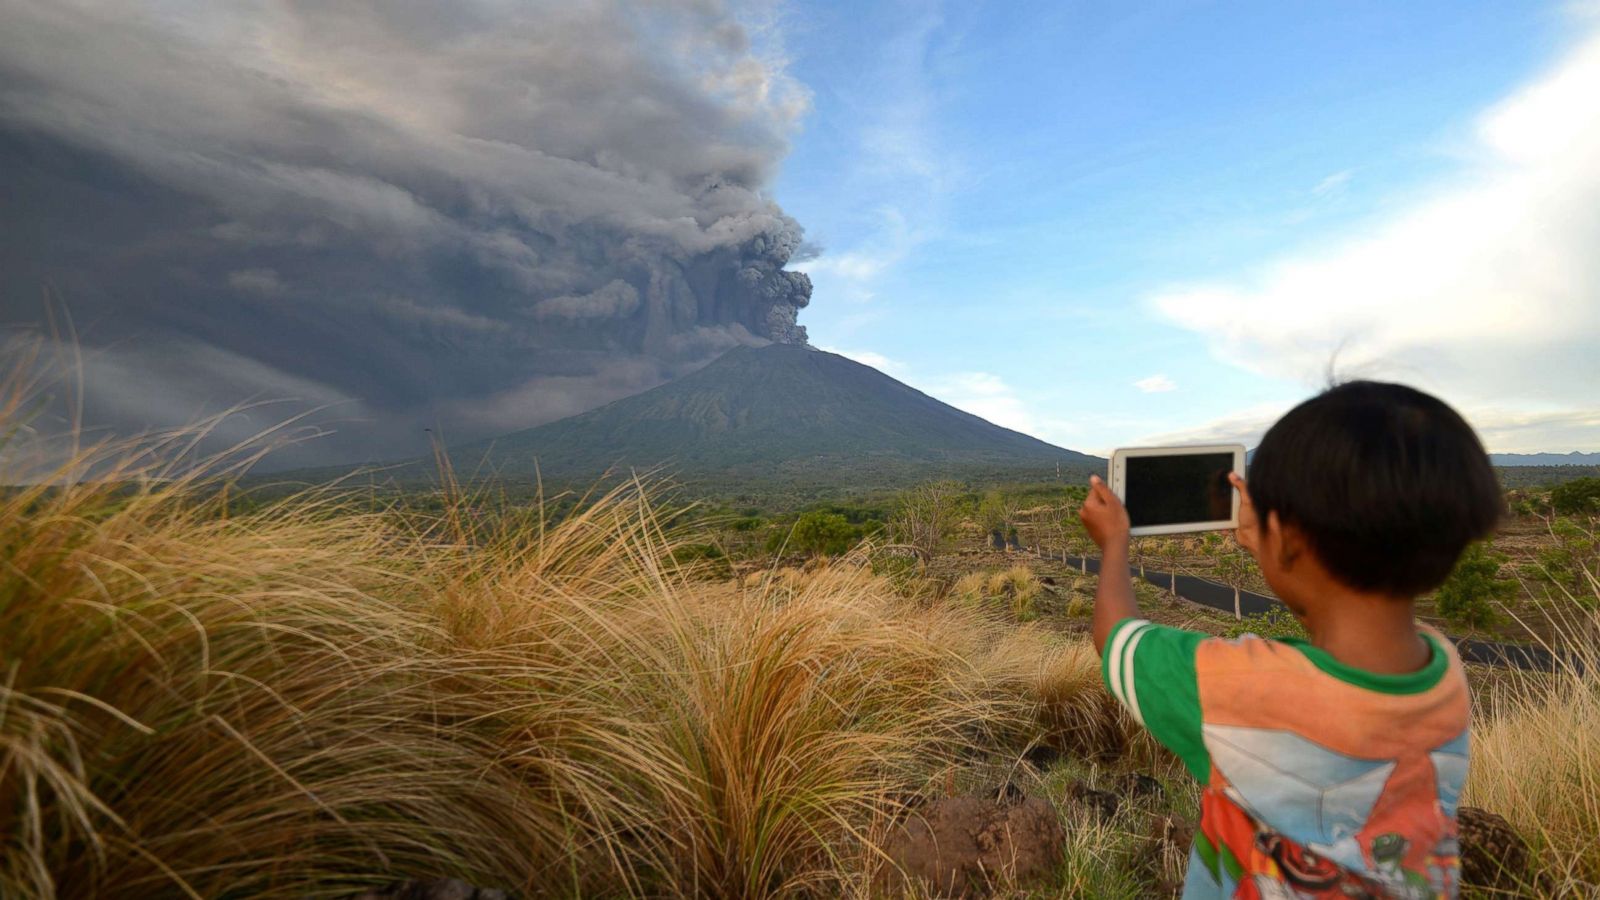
x,y
1321,780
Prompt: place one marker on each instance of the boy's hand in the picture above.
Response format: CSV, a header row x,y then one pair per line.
x,y
1103,515
1248,534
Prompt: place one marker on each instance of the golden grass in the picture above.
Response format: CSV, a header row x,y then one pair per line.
x,y
1535,756
970,588
310,697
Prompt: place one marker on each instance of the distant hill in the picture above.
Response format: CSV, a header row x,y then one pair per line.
x,y
778,413
1545,459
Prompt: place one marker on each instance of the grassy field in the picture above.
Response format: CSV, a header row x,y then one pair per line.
x,y
208,697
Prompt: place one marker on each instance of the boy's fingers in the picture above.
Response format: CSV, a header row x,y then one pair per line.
x,y
1238,481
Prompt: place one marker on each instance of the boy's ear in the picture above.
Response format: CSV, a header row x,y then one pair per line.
x,y
1288,540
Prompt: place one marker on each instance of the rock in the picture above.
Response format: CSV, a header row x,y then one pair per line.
x,y
1166,853
969,846
1137,786
1172,835
1102,803
438,889
1493,856
1042,756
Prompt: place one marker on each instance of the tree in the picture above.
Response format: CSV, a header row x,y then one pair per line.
x,y
1235,567
1574,559
820,533
995,515
926,516
1170,551
1077,539
1467,597
1579,496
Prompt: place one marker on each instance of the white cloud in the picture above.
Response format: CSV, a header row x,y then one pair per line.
x,y
1521,431
1501,430
869,358
987,396
1333,183
1156,384
1245,426
1487,292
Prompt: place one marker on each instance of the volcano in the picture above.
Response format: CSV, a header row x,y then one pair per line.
x,y
780,412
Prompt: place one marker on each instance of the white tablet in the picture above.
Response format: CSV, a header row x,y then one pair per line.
x,y
1168,490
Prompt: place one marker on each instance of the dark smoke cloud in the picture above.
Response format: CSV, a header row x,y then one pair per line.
x,y
476,214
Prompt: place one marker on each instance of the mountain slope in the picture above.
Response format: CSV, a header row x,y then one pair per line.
x,y
777,411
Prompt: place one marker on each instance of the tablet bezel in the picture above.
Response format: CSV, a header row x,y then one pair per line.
x,y
1118,471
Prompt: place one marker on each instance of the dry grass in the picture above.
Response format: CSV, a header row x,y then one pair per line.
x,y
971,587
1536,756
310,697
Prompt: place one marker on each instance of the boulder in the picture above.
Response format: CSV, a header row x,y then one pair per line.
x,y
1137,786
969,846
1493,856
1104,804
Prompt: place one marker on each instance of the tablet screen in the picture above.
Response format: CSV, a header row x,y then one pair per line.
x,y
1171,490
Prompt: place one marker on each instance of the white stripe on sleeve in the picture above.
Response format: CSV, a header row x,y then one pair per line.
x,y
1128,685
1114,660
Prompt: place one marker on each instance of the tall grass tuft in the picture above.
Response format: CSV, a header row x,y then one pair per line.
x,y
1536,754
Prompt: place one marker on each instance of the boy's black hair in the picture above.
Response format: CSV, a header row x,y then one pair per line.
x,y
1387,483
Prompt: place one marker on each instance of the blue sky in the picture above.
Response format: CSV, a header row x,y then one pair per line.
x,y
1114,223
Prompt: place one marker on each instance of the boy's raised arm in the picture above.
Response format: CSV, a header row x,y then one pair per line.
x,y
1106,520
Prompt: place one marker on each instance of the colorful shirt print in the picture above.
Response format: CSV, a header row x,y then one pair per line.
x,y
1321,780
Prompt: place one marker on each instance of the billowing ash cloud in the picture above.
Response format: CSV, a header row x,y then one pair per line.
x,y
477,214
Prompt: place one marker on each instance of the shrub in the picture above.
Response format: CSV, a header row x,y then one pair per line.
x,y
1577,497
926,516
704,559
1570,564
823,534
1275,622
1468,596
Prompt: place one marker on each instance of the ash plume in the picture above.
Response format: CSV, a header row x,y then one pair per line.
x,y
472,215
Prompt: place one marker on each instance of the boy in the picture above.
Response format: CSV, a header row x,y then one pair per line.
x,y
1331,766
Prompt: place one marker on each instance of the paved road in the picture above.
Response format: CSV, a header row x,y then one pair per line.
x,y
1219,596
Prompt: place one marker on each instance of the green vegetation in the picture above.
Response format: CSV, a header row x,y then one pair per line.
x,y
1469,595
819,533
1523,477
1275,622
1570,563
1581,496
1235,568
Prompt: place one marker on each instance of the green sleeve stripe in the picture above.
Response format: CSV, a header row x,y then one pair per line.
x,y
1230,863
1207,852
1165,685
